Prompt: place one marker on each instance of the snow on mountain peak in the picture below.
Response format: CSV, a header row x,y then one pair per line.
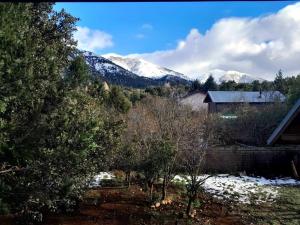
x,y
230,75
238,77
142,67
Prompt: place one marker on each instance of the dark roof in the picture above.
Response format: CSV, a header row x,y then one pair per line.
x,y
295,110
243,96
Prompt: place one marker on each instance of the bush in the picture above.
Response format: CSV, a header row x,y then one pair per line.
x,y
252,126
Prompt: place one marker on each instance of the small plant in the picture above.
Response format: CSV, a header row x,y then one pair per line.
x,y
197,203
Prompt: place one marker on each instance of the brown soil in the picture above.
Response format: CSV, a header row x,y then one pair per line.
x,y
122,206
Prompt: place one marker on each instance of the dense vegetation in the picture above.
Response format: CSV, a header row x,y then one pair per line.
x,y
58,127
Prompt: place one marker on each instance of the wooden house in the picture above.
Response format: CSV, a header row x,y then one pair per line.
x,y
221,101
288,131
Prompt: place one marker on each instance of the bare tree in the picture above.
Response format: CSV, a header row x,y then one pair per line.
x,y
193,145
157,120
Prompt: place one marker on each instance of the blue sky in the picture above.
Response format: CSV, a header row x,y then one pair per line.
x,y
196,38
168,22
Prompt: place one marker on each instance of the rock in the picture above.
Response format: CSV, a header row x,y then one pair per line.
x,y
157,204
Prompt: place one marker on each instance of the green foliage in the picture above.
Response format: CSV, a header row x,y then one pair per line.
x,y
128,158
55,137
210,84
78,72
157,159
294,91
280,83
118,100
266,86
158,91
252,126
136,96
196,86
227,86
256,85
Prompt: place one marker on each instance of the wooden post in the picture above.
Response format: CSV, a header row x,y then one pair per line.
x,y
295,173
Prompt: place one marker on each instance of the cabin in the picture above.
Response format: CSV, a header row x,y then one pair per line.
x,y
288,131
227,101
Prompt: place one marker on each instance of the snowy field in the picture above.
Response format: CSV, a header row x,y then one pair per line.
x,y
243,189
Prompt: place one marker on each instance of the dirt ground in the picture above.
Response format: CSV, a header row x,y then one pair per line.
x,y
121,206
130,206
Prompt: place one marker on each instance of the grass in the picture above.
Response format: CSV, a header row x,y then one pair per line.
x,y
285,210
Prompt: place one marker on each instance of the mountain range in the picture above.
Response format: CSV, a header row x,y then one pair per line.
x,y
139,73
114,73
142,67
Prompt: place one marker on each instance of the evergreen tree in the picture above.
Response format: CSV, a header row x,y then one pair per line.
x,y
256,85
266,86
227,86
196,85
53,139
78,72
118,100
294,91
210,84
279,83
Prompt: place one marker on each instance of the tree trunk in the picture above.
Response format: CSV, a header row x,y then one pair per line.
x,y
151,190
295,172
164,189
189,206
128,179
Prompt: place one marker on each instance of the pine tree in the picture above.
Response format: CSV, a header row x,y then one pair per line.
x,y
294,92
78,72
210,84
279,83
256,85
196,85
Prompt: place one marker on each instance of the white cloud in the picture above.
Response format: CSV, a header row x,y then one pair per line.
x,y
258,46
147,26
92,40
140,36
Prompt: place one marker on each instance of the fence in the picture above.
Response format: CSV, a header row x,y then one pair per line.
x,y
265,161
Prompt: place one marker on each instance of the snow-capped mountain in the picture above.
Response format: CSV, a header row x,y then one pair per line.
x,y
238,77
142,67
115,74
231,75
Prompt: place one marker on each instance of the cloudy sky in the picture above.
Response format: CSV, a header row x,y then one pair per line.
x,y
196,38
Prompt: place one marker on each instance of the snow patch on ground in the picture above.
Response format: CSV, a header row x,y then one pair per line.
x,y
243,189
101,176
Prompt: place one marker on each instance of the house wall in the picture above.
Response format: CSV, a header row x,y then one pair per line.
x,y
262,161
221,107
212,108
292,133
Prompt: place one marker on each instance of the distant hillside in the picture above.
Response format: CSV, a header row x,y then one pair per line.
x,y
116,74
142,67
